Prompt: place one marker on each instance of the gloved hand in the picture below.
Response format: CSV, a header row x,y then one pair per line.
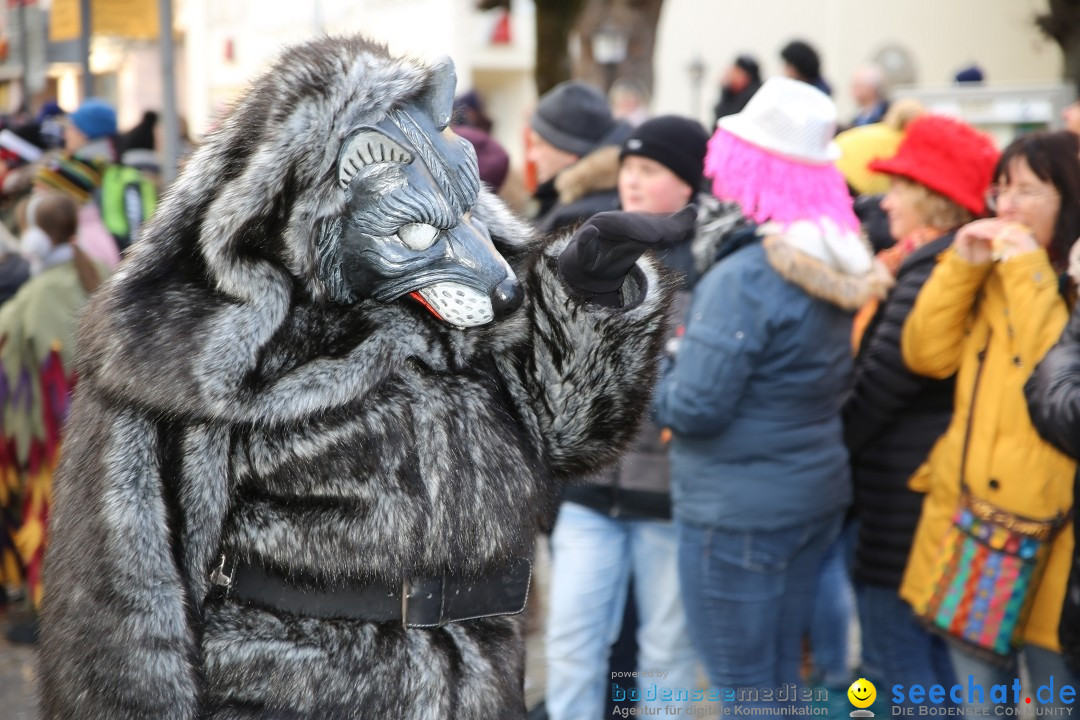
x,y
604,249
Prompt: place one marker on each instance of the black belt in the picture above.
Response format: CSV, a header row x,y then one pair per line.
x,y
416,603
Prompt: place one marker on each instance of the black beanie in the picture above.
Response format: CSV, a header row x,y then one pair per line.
x,y
573,117
803,58
677,143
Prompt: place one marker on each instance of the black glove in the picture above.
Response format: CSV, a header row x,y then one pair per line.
x,y
604,249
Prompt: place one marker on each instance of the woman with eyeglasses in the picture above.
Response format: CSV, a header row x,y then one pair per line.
x,y
989,312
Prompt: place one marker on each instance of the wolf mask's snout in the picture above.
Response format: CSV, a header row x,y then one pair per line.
x,y
463,306
507,297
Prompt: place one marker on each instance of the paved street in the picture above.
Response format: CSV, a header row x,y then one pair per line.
x,y
18,675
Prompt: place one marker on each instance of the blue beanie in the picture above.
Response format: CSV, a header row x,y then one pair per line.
x,y
95,119
48,110
972,74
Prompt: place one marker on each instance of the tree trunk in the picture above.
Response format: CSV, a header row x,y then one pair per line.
x,y
554,21
1062,24
1071,48
637,20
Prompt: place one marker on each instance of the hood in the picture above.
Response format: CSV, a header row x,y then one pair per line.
x,y
826,262
230,266
595,172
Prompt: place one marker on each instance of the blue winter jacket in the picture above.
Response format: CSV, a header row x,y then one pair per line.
x,y
753,400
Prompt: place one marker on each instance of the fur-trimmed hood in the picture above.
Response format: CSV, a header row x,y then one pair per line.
x,y
826,262
837,267
596,172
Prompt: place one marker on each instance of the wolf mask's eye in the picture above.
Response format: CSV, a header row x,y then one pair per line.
x,y
418,236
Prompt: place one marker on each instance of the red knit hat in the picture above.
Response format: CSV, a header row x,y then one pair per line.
x,y
948,156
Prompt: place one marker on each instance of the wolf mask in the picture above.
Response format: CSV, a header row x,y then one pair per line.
x,y
408,227
264,380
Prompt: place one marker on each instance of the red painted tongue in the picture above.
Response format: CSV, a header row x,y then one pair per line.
x,y
415,295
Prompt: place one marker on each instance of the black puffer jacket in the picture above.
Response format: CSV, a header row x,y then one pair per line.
x,y
1053,395
891,420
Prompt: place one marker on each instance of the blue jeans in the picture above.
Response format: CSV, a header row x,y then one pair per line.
x,y
748,598
1043,668
896,650
593,556
834,611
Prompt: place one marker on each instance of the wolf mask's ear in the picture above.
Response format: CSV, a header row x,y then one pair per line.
x,y
438,98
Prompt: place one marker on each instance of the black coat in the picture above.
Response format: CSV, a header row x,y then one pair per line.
x,y
1053,395
734,102
891,420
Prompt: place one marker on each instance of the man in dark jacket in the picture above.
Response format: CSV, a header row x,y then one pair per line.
x,y
619,524
740,82
868,91
574,143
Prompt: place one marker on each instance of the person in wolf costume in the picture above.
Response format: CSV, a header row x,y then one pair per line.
x,y
321,408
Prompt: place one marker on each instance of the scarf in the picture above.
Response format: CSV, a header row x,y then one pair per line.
x,y
891,258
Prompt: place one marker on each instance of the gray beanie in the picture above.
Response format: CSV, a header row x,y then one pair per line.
x,y
574,117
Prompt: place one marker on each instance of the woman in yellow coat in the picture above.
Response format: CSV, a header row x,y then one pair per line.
x,y
989,312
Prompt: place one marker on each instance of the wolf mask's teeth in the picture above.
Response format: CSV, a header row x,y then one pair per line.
x,y
456,304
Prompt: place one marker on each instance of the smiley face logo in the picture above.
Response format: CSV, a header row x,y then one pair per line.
x,y
862,693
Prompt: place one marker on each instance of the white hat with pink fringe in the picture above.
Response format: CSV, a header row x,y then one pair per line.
x,y
776,159
788,118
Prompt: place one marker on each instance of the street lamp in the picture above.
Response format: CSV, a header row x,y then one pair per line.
x,y
609,44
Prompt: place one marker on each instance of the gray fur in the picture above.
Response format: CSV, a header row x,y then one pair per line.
x,y
227,405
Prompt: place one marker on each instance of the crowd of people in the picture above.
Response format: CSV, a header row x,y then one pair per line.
x,y
867,412
841,436
74,193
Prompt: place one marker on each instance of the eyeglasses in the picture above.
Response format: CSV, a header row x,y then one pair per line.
x,y
1021,194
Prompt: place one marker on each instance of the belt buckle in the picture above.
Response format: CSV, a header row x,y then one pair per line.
x,y
428,595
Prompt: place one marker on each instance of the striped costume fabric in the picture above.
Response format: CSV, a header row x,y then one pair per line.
x,y
985,572
72,176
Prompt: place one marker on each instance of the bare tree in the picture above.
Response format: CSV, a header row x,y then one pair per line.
x,y
634,20
559,22
1062,24
555,21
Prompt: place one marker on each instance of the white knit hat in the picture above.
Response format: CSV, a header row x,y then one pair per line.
x,y
788,118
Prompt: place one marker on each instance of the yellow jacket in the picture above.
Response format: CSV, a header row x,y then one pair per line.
x,y
1011,314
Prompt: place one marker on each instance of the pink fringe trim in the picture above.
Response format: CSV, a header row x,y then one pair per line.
x,y
769,187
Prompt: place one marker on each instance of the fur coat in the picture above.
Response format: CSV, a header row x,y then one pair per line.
x,y
228,405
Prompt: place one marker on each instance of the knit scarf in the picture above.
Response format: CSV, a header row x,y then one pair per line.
x,y
892,258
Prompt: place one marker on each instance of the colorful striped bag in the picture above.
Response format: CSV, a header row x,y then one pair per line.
x,y
990,562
